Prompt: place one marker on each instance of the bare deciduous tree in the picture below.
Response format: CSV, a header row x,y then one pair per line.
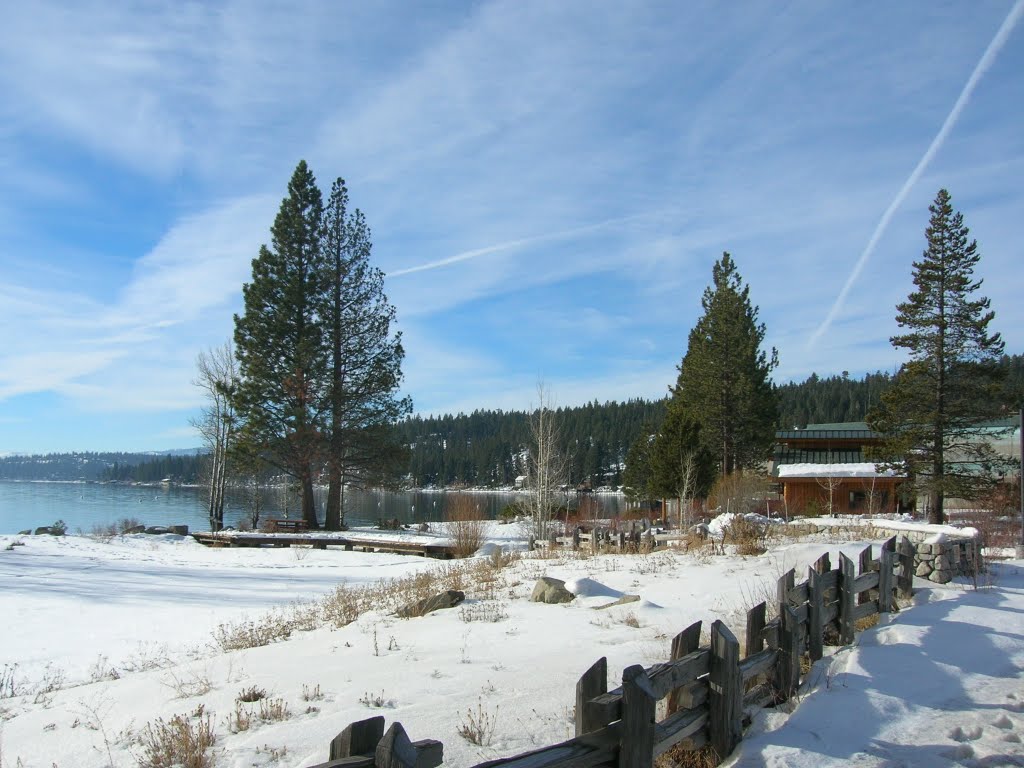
x,y
217,376
546,466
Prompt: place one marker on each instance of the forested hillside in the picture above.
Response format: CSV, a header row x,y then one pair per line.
x,y
485,448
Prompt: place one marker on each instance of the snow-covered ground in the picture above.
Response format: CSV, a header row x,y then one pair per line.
x,y
937,684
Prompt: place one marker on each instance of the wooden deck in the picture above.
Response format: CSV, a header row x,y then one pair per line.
x,y
323,541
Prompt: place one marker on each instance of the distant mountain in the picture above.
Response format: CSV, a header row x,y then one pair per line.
x,y
88,465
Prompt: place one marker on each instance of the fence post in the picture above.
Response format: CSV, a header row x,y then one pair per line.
x,y
593,683
905,581
395,750
787,674
685,642
815,610
725,695
358,738
864,566
638,709
885,575
823,564
755,628
847,576
785,583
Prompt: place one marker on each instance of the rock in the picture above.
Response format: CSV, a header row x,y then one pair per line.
x,y
552,591
925,557
424,527
941,563
941,577
621,601
923,569
180,530
924,549
701,529
47,530
158,529
27,532
448,599
136,529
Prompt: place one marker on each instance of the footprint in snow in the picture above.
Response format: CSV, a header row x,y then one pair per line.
x,y
1003,722
965,734
960,752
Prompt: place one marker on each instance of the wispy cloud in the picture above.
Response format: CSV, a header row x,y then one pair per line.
x,y
993,49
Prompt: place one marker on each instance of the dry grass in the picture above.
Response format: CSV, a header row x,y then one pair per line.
x,y
478,726
467,529
234,636
177,743
679,757
866,623
251,694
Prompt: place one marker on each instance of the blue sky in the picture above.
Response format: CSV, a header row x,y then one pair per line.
x,y
548,185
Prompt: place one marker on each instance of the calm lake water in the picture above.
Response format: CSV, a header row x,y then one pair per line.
x,y
82,506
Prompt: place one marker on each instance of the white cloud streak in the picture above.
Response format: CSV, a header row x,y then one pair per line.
x,y
987,58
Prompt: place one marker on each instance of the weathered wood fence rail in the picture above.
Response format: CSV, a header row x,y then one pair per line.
x,y
710,693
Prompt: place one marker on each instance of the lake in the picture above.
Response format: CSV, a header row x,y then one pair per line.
x,y
83,506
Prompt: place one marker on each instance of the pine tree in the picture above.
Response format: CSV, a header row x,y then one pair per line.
x,y
933,413
279,342
365,359
681,467
724,381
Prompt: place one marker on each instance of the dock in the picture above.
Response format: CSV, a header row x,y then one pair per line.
x,y
357,543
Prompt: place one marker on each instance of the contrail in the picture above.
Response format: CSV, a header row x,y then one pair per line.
x,y
512,244
979,70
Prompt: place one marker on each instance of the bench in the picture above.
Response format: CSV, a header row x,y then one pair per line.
x,y
289,526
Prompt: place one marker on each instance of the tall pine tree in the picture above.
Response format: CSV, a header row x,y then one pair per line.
x,y
724,382
365,360
279,342
933,416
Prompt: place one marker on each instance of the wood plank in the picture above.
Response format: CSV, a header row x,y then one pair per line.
x,y
847,596
755,626
593,683
693,695
830,580
684,643
636,748
395,750
798,594
830,614
864,610
823,564
785,583
677,728
885,577
358,738
674,674
758,664
787,673
815,614
865,582
725,700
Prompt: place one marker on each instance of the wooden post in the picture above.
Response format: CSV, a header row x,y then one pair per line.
x,y
885,575
576,538
864,566
725,696
786,582
638,709
395,750
593,683
359,738
847,576
905,580
823,564
787,674
815,611
685,642
755,626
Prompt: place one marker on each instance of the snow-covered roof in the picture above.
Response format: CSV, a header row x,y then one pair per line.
x,y
860,469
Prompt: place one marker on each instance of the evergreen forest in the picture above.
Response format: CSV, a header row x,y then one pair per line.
x,y
485,448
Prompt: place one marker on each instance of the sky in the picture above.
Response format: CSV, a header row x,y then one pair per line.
x,y
548,186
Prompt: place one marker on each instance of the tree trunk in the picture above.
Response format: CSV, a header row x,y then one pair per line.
x,y
309,502
332,514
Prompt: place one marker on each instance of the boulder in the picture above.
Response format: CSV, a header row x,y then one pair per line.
x,y
621,601
136,529
941,563
45,530
924,549
180,530
941,577
551,590
447,599
923,569
27,532
158,529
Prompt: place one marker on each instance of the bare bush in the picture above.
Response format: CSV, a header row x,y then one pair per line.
x,y
478,725
489,611
187,687
252,634
467,529
739,492
749,537
251,694
177,743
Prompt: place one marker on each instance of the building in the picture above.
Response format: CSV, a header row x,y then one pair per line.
x,y
822,469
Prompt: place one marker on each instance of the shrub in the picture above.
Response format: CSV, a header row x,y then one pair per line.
x,y
178,743
251,694
252,634
466,527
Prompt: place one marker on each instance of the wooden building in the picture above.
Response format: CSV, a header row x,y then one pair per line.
x,y
822,469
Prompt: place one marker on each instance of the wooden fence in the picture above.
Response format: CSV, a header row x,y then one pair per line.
x,y
710,693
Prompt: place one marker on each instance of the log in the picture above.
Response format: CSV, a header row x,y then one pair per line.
x,y
677,728
758,664
865,582
864,610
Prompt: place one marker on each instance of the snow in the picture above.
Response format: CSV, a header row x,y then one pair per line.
x,y
937,684
860,469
